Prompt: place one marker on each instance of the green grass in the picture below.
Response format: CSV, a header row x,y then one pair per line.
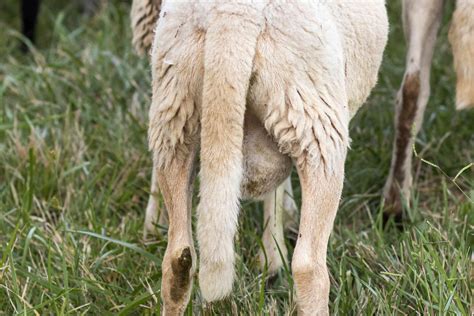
x,y
74,181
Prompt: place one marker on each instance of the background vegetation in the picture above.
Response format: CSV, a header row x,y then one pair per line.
x,y
74,181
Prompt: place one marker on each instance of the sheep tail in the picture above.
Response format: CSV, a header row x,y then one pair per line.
x,y
229,52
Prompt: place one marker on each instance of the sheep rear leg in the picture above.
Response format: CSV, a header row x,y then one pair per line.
x,y
421,20
290,208
154,216
318,152
274,253
280,214
179,262
320,199
29,16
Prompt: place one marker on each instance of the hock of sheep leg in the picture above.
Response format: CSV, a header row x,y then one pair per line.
x,y
421,20
179,263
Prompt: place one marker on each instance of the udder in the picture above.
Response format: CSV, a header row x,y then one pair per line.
x,y
265,168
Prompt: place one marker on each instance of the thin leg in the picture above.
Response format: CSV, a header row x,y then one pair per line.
x,y
280,212
29,15
321,193
421,20
154,215
179,262
275,252
289,206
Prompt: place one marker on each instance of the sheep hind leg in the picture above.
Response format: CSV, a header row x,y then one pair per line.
x,y
179,262
29,17
319,153
320,198
155,218
290,208
280,215
421,20
274,253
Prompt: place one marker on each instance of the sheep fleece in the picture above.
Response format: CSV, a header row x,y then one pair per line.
x,y
315,64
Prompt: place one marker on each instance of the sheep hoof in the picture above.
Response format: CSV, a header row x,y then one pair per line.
x,y
393,209
398,219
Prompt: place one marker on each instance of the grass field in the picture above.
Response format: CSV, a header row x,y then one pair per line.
x,y
74,181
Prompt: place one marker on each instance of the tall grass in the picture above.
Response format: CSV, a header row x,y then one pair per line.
x,y
74,181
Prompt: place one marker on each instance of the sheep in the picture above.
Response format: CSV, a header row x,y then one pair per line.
x,y
421,21
279,206
251,83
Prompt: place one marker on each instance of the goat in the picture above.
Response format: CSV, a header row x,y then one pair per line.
x,y
421,21
279,207
243,80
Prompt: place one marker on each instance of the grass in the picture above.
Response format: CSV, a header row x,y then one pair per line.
x,y
74,181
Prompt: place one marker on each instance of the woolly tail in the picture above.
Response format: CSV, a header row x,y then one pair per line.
x,y
229,52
